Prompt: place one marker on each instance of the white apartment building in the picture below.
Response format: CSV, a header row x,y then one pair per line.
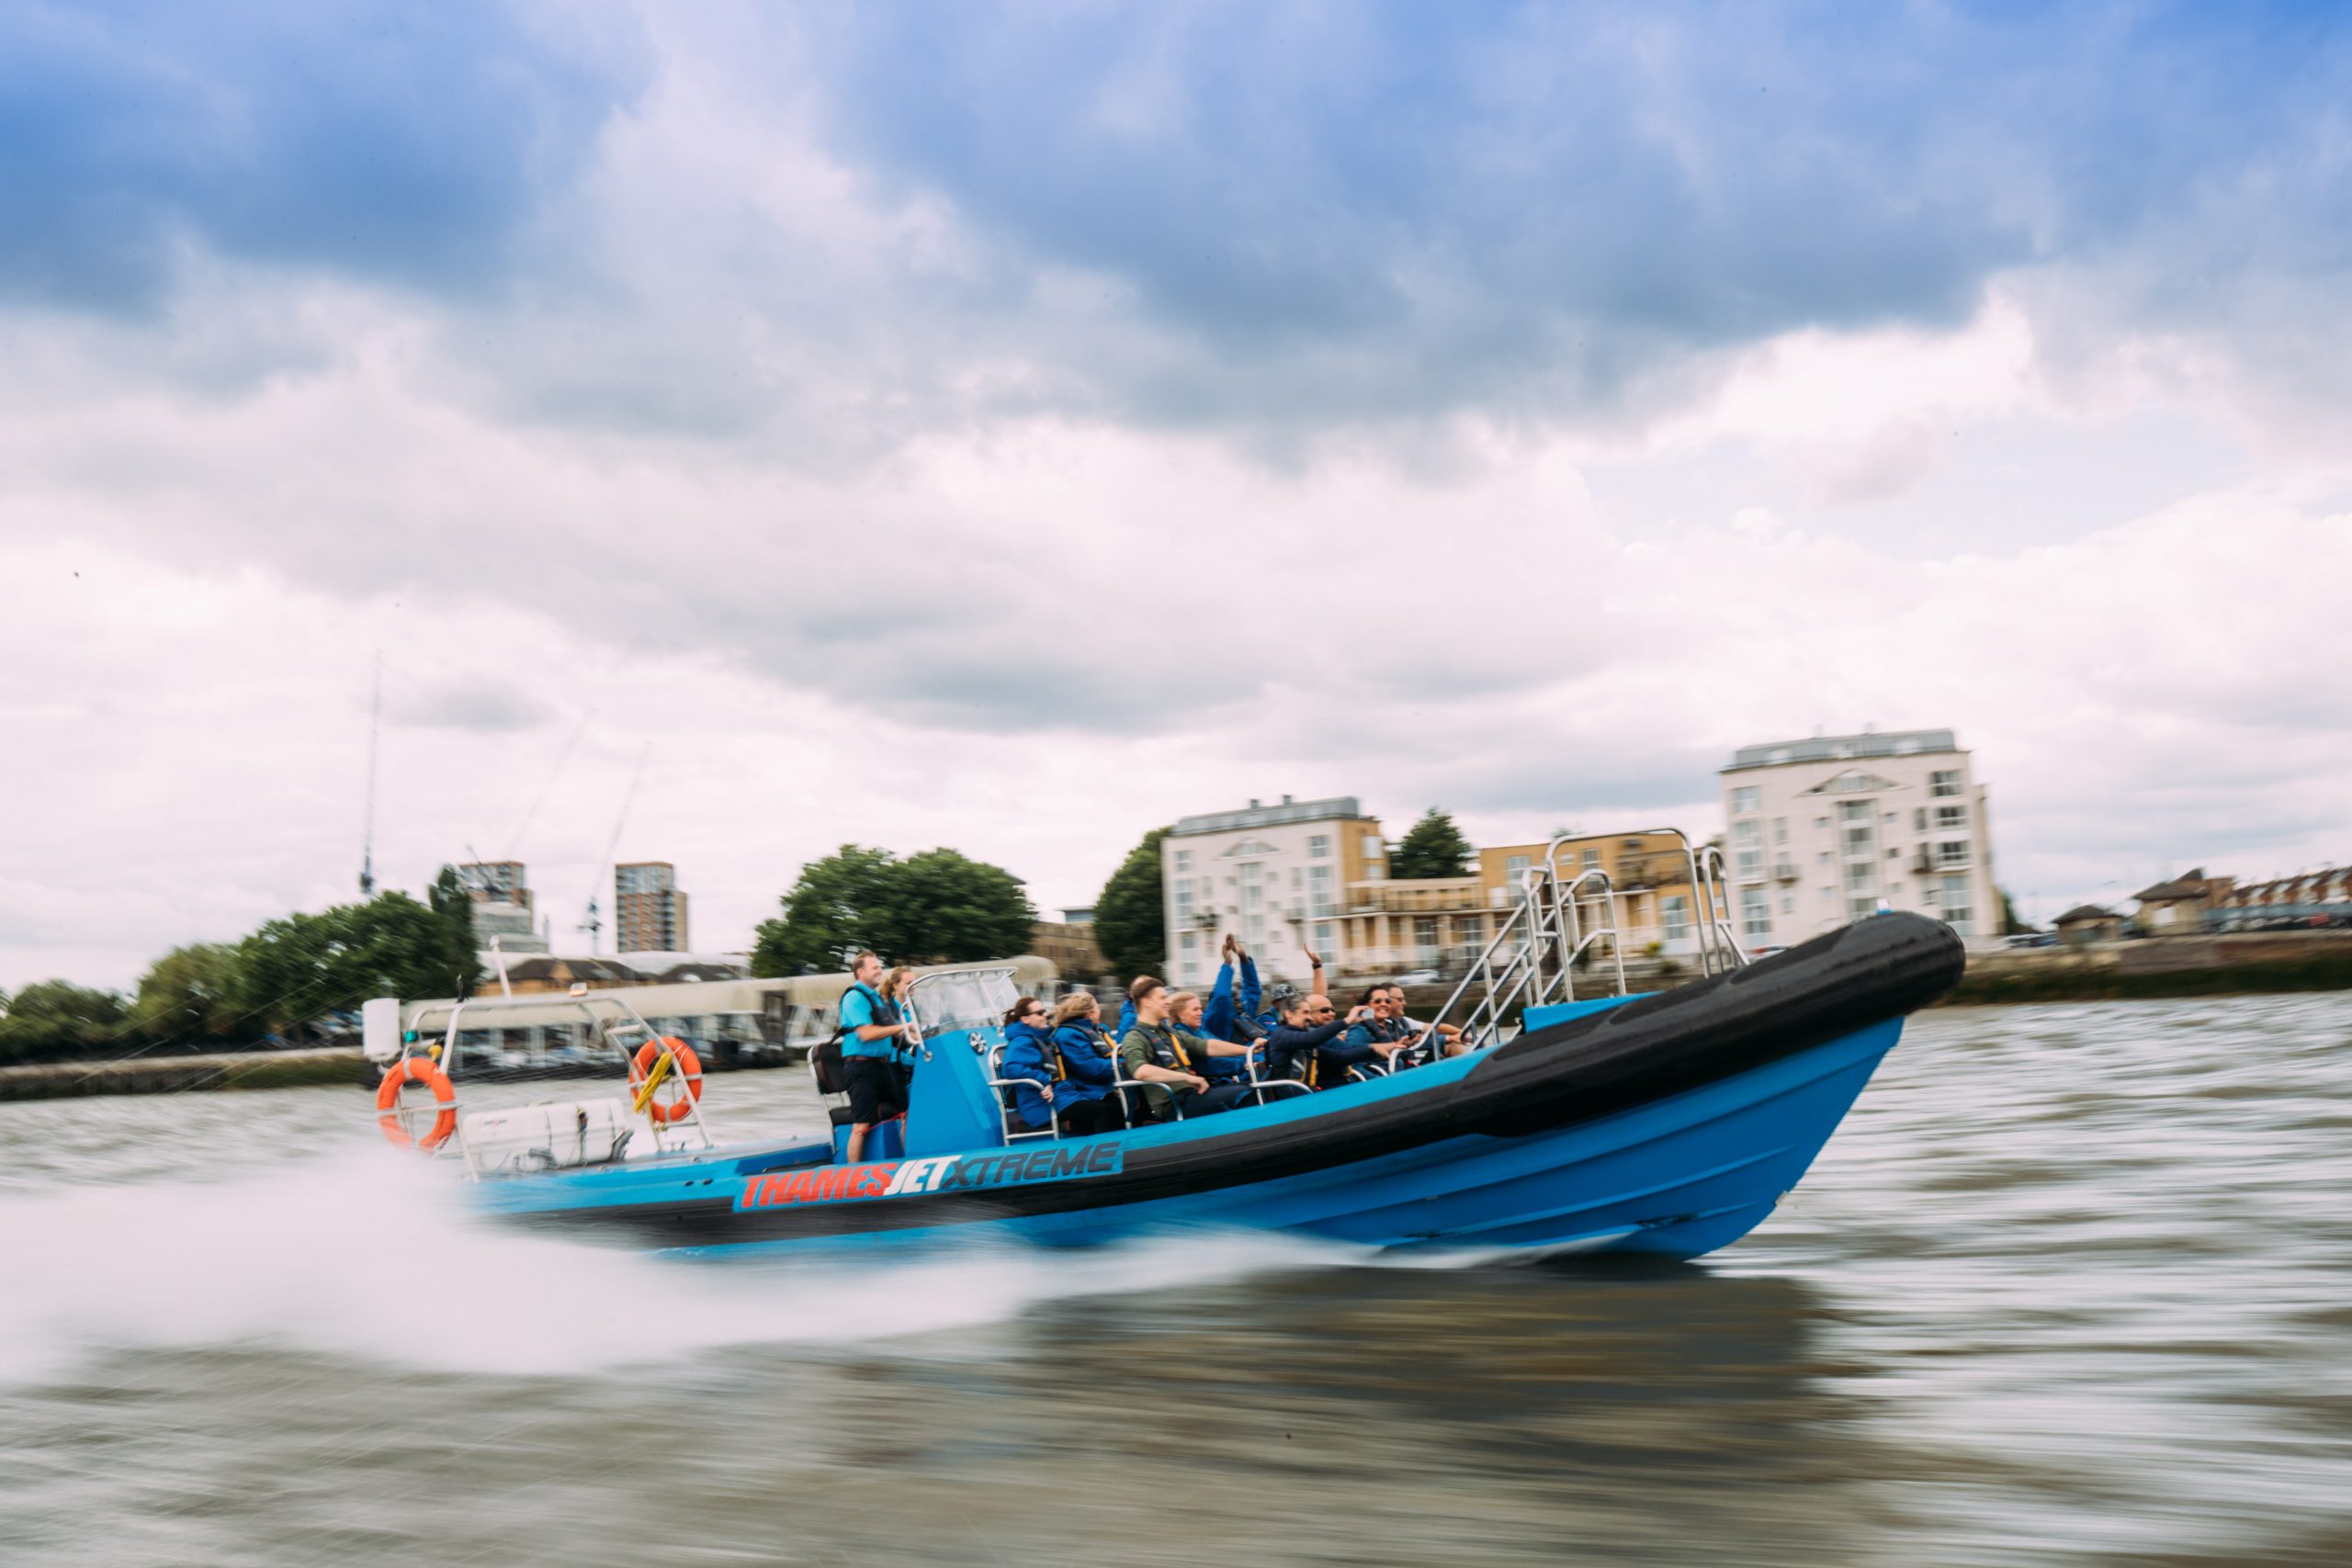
x,y
1826,830
1268,874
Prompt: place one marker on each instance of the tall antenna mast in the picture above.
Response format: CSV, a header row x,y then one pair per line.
x,y
367,832
591,924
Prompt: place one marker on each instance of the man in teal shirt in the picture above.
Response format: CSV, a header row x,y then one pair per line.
x,y
870,1032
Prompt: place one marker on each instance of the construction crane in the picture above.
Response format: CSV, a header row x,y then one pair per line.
x,y
591,923
367,830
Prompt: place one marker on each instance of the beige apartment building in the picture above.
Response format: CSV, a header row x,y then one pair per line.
x,y
1299,872
1826,830
1277,876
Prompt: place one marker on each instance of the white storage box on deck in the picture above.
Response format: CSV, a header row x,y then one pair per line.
x,y
553,1136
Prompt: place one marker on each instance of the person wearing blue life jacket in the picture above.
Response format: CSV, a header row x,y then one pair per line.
x,y
1089,1063
870,1032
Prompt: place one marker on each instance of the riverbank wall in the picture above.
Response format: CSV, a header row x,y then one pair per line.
x,y
174,1075
2250,964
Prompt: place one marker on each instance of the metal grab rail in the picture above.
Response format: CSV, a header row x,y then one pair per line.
x,y
609,1030
1560,921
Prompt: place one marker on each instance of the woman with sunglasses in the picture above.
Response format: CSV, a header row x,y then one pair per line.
x,y
1029,1054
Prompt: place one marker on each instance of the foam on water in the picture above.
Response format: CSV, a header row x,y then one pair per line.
x,y
366,1253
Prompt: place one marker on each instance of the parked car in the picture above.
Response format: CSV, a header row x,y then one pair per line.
x,y
1418,977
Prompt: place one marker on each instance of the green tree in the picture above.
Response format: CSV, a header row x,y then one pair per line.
x,y
189,998
461,948
1131,913
57,1017
2011,925
298,967
947,908
938,907
833,909
1433,847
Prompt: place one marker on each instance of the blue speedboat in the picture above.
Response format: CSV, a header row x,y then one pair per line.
x,y
1669,1124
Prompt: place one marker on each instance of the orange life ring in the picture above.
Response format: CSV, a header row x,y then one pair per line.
x,y
689,1069
406,1071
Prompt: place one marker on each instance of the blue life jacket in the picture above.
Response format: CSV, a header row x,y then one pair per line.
x,y
1090,1065
1029,1054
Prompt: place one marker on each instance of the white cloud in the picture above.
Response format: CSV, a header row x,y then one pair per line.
x,y
829,495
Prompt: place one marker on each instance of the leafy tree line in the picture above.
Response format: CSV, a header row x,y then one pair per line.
x,y
938,907
272,983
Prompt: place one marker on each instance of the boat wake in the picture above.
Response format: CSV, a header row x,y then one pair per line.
x,y
366,1255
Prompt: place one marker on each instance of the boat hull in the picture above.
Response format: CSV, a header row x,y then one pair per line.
x,y
1667,1124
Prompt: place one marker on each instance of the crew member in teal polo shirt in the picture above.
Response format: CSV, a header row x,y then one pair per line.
x,y
870,1032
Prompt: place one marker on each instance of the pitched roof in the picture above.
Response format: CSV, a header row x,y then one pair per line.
x,y
2082,912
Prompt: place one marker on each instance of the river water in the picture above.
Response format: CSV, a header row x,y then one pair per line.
x,y
2072,1285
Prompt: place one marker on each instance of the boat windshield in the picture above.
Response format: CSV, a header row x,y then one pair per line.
x,y
961,999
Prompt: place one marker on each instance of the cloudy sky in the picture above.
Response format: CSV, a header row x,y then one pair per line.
x,y
1014,427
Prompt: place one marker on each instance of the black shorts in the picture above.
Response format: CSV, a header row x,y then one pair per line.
x,y
878,1089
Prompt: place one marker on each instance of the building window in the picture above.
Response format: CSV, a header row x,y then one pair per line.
x,y
1819,823
1326,941
1515,869
1425,936
1318,891
1954,905
1918,818
1318,846
1185,903
1788,903
1744,800
1780,830
1592,859
1859,874
1946,781
1747,850
1950,818
1755,912
1951,852
1674,916
1860,909
1184,862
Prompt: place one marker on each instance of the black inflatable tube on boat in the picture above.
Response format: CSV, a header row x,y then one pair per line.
x,y
1673,1041
1577,1071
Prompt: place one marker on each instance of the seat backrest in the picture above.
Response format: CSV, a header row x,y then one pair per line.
x,y
825,1061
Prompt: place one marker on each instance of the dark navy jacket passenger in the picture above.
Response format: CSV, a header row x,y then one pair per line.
x,y
1287,1049
1089,1060
1355,1049
1029,1054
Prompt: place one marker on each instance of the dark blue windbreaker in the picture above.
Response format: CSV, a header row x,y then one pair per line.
x,y
1029,1054
1088,1059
